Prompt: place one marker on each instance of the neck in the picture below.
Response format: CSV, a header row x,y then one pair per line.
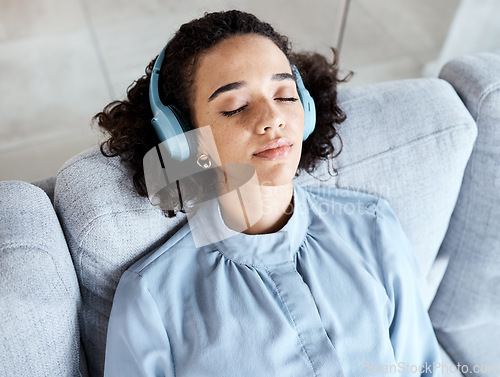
x,y
258,209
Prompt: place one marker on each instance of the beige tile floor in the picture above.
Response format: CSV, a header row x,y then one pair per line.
x,y
61,61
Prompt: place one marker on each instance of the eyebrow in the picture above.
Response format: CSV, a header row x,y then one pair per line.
x,y
226,88
282,76
240,84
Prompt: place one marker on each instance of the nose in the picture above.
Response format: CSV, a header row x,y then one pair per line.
x,y
268,118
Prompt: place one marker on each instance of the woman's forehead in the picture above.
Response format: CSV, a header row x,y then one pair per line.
x,y
238,57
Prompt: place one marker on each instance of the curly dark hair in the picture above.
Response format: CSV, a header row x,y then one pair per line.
x,y
128,122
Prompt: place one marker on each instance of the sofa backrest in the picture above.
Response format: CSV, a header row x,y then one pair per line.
x,y
407,141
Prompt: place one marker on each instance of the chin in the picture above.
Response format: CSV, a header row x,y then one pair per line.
x,y
276,178
278,173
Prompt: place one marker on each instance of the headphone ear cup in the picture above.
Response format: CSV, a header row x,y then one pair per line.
x,y
170,126
308,105
168,121
309,114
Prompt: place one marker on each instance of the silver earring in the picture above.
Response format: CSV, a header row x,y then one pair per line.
x,y
204,161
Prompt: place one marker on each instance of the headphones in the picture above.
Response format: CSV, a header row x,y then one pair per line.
x,y
170,125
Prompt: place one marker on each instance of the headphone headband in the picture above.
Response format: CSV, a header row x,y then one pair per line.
x,y
154,94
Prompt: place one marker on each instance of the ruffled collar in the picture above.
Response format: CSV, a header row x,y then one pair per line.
x,y
208,228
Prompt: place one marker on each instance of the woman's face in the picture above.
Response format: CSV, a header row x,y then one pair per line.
x,y
244,89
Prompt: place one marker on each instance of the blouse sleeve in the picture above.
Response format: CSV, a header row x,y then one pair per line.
x,y
137,343
415,346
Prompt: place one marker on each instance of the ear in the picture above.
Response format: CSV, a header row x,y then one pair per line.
x,y
205,144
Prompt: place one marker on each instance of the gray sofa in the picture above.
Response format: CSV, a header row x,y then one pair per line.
x,y
429,146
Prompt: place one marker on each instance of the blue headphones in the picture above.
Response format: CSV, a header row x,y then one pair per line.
x,y
170,124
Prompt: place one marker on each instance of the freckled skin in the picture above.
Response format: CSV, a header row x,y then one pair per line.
x,y
261,110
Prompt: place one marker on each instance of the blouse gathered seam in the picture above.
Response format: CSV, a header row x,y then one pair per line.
x,y
257,266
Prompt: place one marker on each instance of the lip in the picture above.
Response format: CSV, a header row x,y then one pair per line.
x,y
275,149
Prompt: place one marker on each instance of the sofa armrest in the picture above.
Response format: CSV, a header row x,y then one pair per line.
x,y
466,309
39,293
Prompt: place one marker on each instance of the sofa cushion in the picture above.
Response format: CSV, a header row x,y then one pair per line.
x,y
39,296
407,141
466,310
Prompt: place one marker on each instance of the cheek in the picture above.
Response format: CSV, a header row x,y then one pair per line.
x,y
222,131
299,116
227,141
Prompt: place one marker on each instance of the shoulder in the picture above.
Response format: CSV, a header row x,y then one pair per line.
x,y
366,224
345,203
342,204
177,253
351,216
167,275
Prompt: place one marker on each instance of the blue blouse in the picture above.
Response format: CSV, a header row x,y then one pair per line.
x,y
333,293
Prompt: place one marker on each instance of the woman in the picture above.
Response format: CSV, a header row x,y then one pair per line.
x,y
320,284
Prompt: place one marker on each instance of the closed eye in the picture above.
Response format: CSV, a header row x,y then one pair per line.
x,y
240,109
287,99
233,112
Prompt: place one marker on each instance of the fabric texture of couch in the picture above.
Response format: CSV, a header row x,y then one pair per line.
x,y
412,142
466,310
39,295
